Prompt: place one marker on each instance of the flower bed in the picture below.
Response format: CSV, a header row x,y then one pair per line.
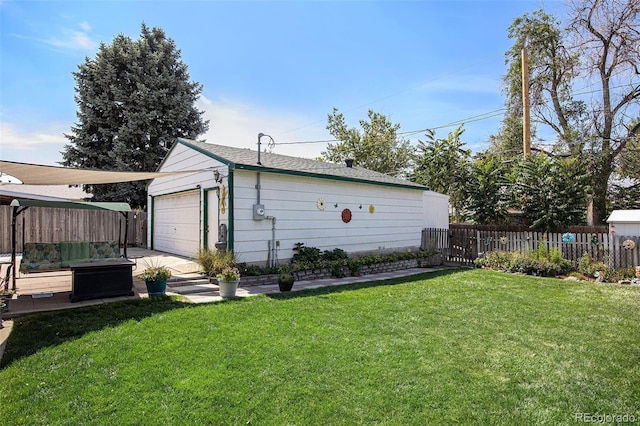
x,y
318,274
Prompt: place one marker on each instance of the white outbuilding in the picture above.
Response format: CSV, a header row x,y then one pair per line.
x,y
259,205
624,222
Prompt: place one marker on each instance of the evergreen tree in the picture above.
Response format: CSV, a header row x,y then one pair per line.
x,y
134,99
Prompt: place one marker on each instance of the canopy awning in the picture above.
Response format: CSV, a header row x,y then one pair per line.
x,y
20,205
34,174
116,207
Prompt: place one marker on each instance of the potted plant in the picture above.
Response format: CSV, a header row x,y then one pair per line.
x,y
155,276
5,297
285,281
228,281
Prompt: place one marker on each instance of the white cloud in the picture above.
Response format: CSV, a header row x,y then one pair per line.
x,y
67,38
85,26
28,145
71,39
237,124
232,123
15,138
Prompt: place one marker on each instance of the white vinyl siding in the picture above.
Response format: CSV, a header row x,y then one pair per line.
x,y
396,223
162,189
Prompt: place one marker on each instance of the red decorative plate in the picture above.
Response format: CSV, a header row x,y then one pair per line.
x,y
346,215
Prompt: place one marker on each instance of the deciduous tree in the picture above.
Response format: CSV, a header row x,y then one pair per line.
x,y
585,82
551,191
487,190
376,147
443,166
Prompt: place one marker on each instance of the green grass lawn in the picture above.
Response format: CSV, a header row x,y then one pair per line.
x,y
470,347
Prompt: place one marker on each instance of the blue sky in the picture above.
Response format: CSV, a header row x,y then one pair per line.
x,y
273,67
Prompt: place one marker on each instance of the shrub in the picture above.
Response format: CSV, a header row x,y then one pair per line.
x,y
541,267
213,262
609,275
335,254
517,262
541,253
498,260
589,267
355,267
337,268
555,256
306,254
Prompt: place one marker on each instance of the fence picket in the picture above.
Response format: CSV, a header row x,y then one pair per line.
x,y
464,243
53,225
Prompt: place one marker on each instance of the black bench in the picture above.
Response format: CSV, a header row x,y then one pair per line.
x,y
93,280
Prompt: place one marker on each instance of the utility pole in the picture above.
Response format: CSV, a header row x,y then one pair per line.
x,y
526,115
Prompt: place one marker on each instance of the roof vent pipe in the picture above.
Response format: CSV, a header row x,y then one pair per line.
x,y
349,162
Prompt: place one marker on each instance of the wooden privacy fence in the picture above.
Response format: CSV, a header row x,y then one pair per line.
x,y
464,243
49,225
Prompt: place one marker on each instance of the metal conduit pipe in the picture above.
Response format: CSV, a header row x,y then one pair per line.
x,y
272,243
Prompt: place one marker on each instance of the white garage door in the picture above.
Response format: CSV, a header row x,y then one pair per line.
x,y
176,223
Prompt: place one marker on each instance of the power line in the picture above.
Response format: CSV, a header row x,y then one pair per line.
x,y
479,117
462,68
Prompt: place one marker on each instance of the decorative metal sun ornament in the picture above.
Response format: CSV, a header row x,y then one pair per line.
x,y
628,244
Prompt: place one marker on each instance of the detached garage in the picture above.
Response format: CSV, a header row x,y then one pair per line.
x,y
260,206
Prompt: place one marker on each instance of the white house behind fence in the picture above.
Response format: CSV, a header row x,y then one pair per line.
x,y
624,222
260,206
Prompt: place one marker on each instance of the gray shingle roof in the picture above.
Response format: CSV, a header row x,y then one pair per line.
x,y
9,191
242,158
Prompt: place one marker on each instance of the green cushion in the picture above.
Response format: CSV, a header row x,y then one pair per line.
x,y
52,256
71,251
